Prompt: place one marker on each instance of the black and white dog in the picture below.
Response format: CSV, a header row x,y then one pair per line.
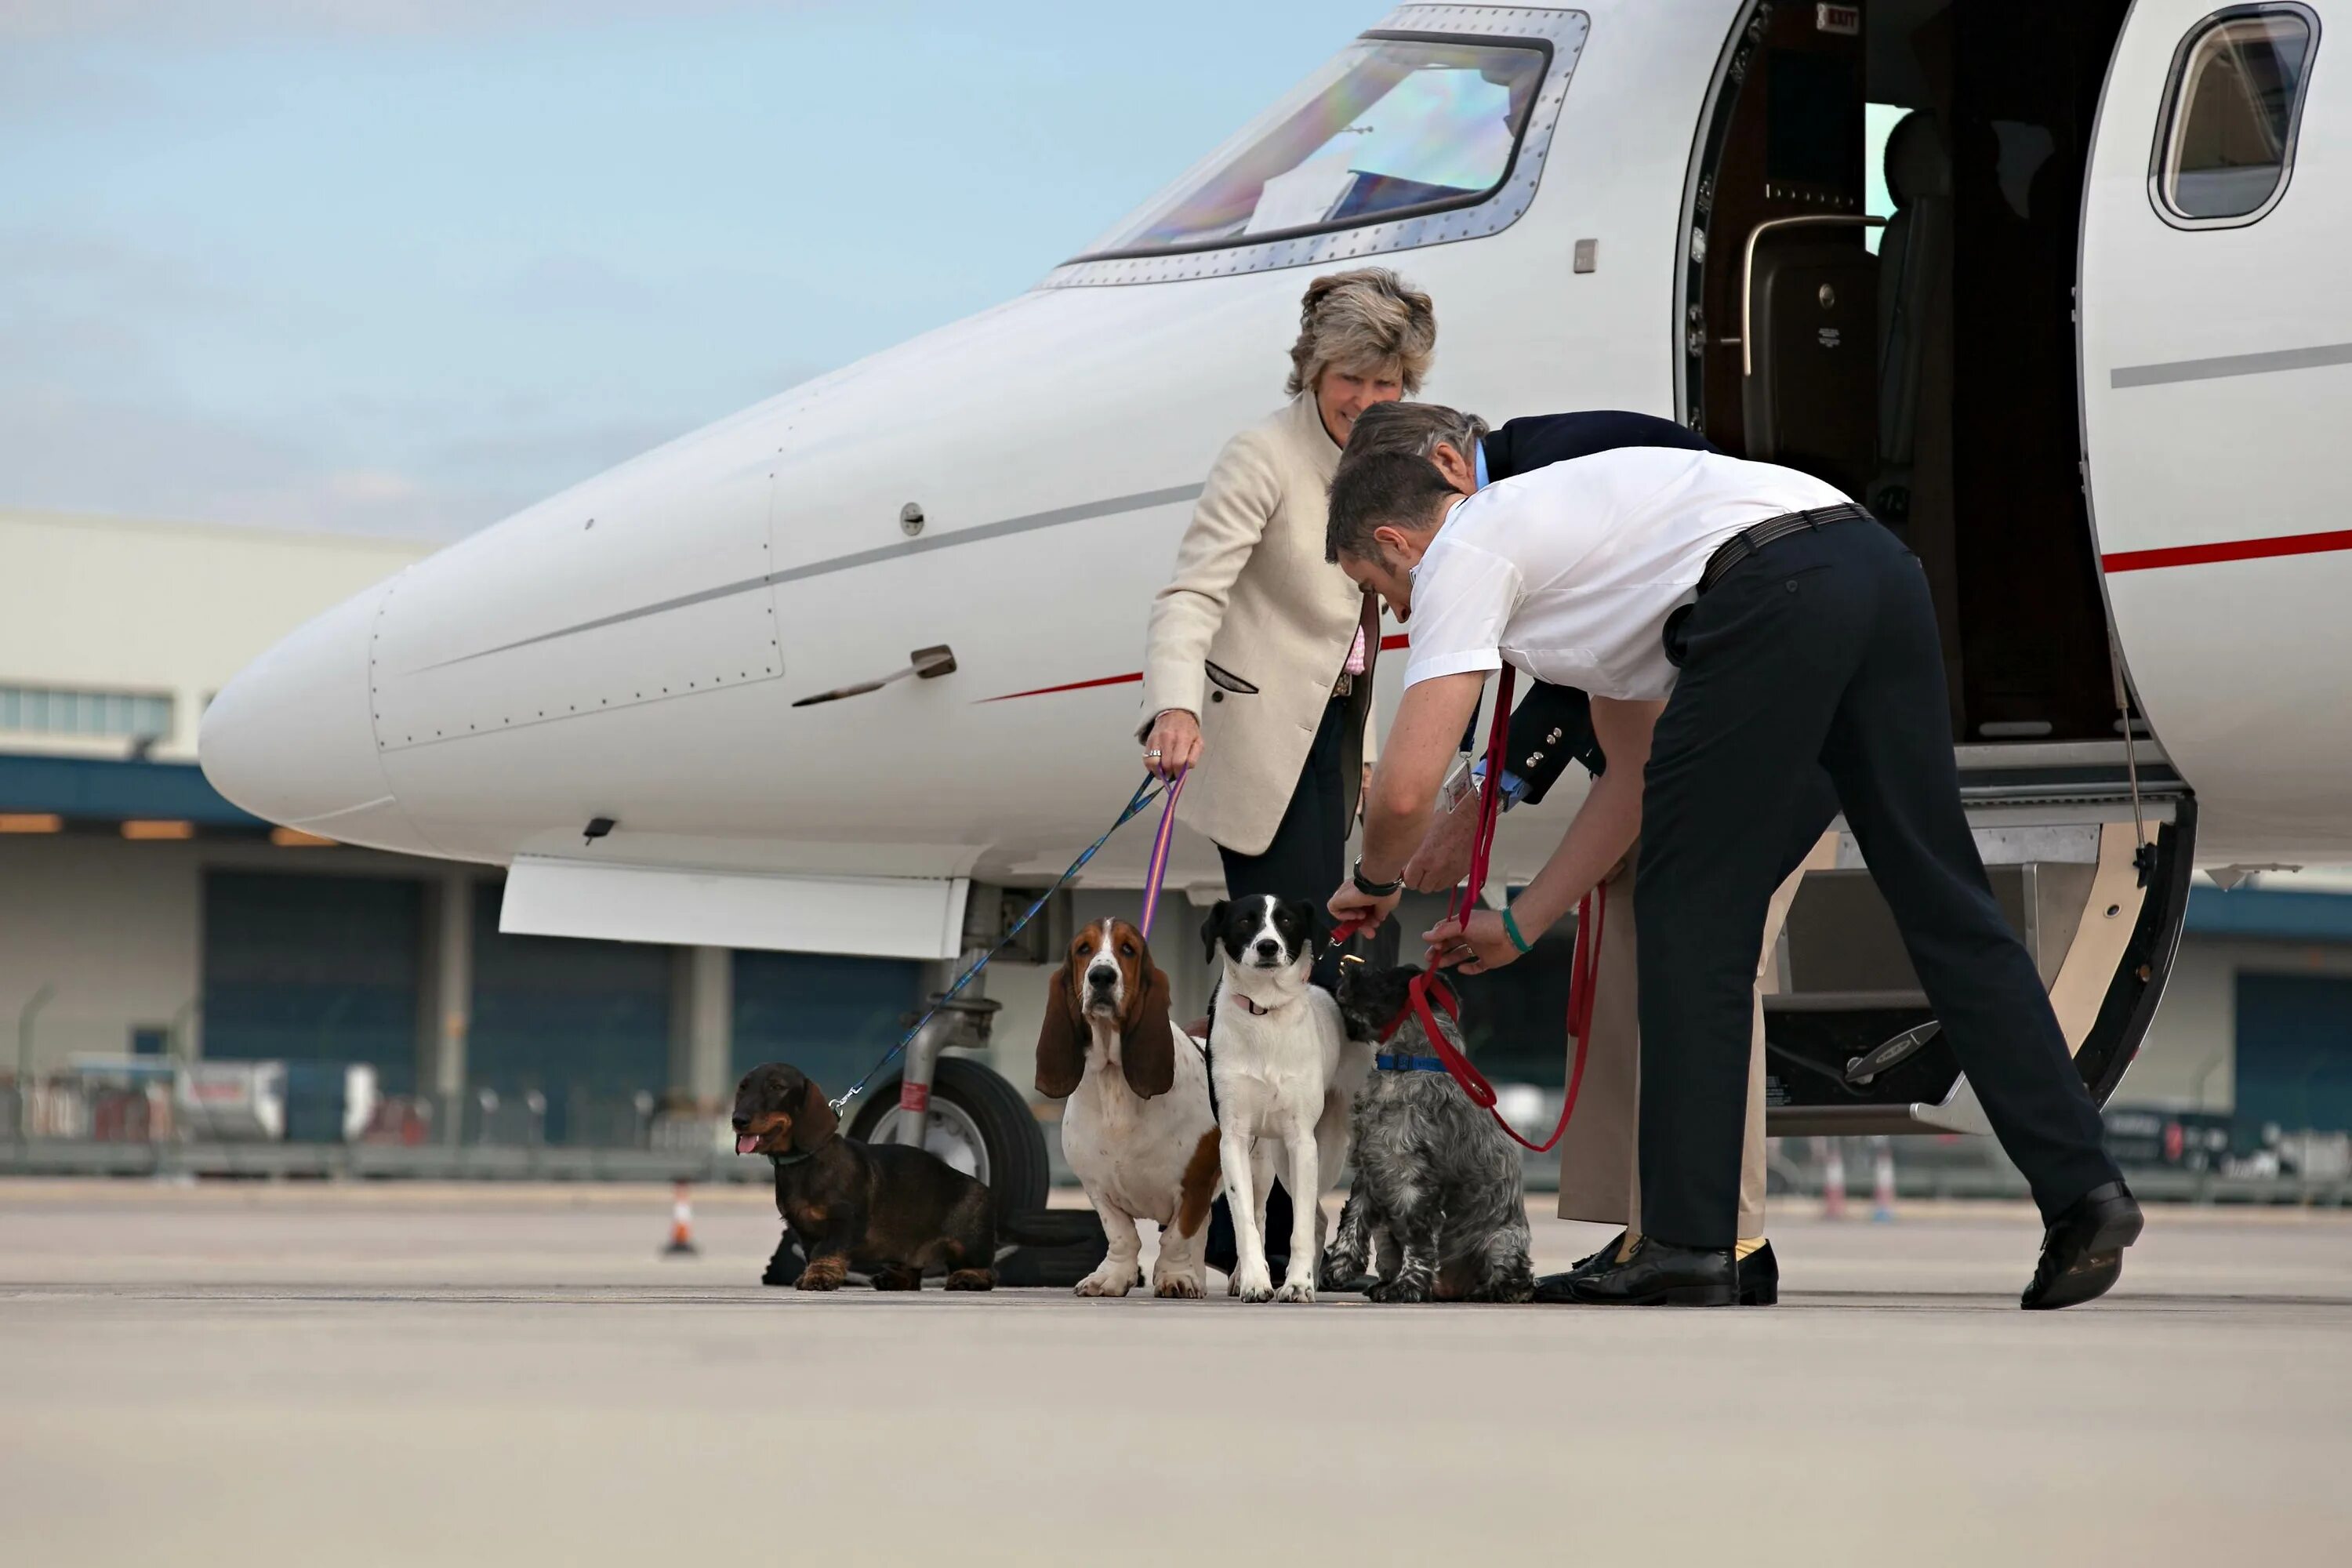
x,y
1438,1191
1284,1072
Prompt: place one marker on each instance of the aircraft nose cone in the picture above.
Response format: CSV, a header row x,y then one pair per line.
x,y
291,739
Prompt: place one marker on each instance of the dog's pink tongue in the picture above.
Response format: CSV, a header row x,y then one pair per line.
x,y
746,1141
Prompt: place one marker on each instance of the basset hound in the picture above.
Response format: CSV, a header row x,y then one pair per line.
x,y
1138,1131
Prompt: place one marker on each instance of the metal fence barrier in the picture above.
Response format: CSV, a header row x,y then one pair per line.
x,y
152,1116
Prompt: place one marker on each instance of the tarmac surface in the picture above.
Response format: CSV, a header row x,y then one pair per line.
x,y
399,1373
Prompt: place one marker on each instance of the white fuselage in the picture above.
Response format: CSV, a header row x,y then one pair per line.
x,y
632,650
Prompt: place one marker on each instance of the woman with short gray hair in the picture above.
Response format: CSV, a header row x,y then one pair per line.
x,y
1256,674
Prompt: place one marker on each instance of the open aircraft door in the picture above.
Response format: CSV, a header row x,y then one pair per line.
x,y
2216,339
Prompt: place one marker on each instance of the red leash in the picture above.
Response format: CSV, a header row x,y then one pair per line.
x,y
1591,917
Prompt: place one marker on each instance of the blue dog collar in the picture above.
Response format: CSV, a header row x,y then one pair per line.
x,y
1409,1064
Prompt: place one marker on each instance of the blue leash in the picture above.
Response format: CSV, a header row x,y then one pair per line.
x,y
1145,792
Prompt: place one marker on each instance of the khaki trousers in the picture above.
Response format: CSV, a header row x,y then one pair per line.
x,y
1600,1158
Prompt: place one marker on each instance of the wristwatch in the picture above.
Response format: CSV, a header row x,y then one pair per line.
x,y
1370,888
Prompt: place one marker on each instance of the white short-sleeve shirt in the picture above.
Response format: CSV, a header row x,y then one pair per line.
x,y
1569,571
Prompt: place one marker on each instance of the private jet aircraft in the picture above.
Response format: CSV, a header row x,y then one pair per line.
x,y
2092,366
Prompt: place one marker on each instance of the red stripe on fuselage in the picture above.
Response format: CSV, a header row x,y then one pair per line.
x,y
1072,686
2117,560
1394,640
2230,550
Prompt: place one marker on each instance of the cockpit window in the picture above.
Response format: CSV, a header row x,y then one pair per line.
x,y
1394,127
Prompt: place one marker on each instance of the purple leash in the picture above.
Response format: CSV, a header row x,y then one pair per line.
x,y
1159,867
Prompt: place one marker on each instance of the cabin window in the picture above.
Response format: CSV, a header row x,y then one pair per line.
x,y
58,711
2237,93
1392,128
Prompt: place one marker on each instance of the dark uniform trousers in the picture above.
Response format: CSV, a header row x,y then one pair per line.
x,y
1820,652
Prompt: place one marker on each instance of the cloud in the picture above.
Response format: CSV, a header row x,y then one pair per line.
x,y
148,382
228,21
373,487
90,261
84,310
74,453
436,472
563,282
44,90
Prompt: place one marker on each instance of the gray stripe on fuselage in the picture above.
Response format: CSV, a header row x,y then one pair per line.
x,y
1141,501
2230,364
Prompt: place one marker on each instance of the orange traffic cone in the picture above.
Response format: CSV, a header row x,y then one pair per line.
x,y
681,1227
1832,1155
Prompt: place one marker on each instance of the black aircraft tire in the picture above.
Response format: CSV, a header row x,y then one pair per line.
x,y
1018,1174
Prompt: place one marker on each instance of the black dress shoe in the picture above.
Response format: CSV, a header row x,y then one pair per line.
x,y
1760,1277
2083,1250
1660,1274
1559,1290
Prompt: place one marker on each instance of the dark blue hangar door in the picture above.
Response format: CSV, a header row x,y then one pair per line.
x,y
2294,1053
313,969
585,1024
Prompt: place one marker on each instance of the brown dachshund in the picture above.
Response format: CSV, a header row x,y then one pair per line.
x,y
884,1209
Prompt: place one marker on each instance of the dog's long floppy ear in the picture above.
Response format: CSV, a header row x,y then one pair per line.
x,y
1147,1039
1061,1050
1210,928
815,1120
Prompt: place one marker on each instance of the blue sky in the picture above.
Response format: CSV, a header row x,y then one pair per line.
x,y
404,265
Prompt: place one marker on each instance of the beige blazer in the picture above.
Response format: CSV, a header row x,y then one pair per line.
x,y
1252,632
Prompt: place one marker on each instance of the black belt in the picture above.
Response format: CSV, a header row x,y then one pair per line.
x,y
1749,541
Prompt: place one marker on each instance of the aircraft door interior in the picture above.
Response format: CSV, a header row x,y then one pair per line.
x,y
1879,291
1787,325
1879,183
1915,259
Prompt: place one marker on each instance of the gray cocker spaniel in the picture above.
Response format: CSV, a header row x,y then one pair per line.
x,y
1438,1193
